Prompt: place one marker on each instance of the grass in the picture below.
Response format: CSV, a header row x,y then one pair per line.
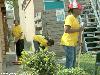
x,y
87,62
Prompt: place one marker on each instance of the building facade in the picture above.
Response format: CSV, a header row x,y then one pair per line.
x,y
26,13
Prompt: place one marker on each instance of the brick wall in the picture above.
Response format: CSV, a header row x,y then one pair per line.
x,y
38,6
54,29
2,44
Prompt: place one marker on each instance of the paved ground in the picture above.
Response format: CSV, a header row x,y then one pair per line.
x,y
8,66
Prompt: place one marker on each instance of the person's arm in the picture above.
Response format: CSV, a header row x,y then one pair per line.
x,y
16,39
68,29
21,34
46,48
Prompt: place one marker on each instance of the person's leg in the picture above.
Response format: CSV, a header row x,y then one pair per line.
x,y
70,56
74,62
17,49
36,46
21,44
20,47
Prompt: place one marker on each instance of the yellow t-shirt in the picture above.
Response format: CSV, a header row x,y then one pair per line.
x,y
16,31
41,39
70,39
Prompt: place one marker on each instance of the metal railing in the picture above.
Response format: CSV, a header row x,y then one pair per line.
x,y
93,3
98,8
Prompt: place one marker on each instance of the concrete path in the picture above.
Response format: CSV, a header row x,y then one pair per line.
x,y
8,66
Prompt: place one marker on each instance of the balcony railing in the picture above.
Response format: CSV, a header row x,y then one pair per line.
x,y
98,8
94,5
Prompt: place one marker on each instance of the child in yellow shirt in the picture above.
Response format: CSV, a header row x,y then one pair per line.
x,y
41,41
17,33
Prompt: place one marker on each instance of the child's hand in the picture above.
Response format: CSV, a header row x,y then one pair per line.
x,y
79,43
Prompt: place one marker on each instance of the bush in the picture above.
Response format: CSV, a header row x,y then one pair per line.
x,y
72,71
41,63
45,63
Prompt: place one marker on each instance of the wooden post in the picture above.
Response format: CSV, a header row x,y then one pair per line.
x,y
2,35
5,29
80,47
1,61
0,42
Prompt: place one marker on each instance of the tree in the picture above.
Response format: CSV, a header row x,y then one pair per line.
x,y
14,4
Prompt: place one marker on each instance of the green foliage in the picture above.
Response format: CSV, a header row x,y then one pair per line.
x,y
87,62
45,63
72,71
41,63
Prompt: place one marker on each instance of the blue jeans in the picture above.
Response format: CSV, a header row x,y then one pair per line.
x,y
70,56
36,46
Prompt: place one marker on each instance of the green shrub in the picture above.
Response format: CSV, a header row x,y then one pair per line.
x,y
72,71
41,63
45,63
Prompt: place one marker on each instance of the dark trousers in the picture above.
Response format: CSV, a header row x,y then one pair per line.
x,y
37,45
19,47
